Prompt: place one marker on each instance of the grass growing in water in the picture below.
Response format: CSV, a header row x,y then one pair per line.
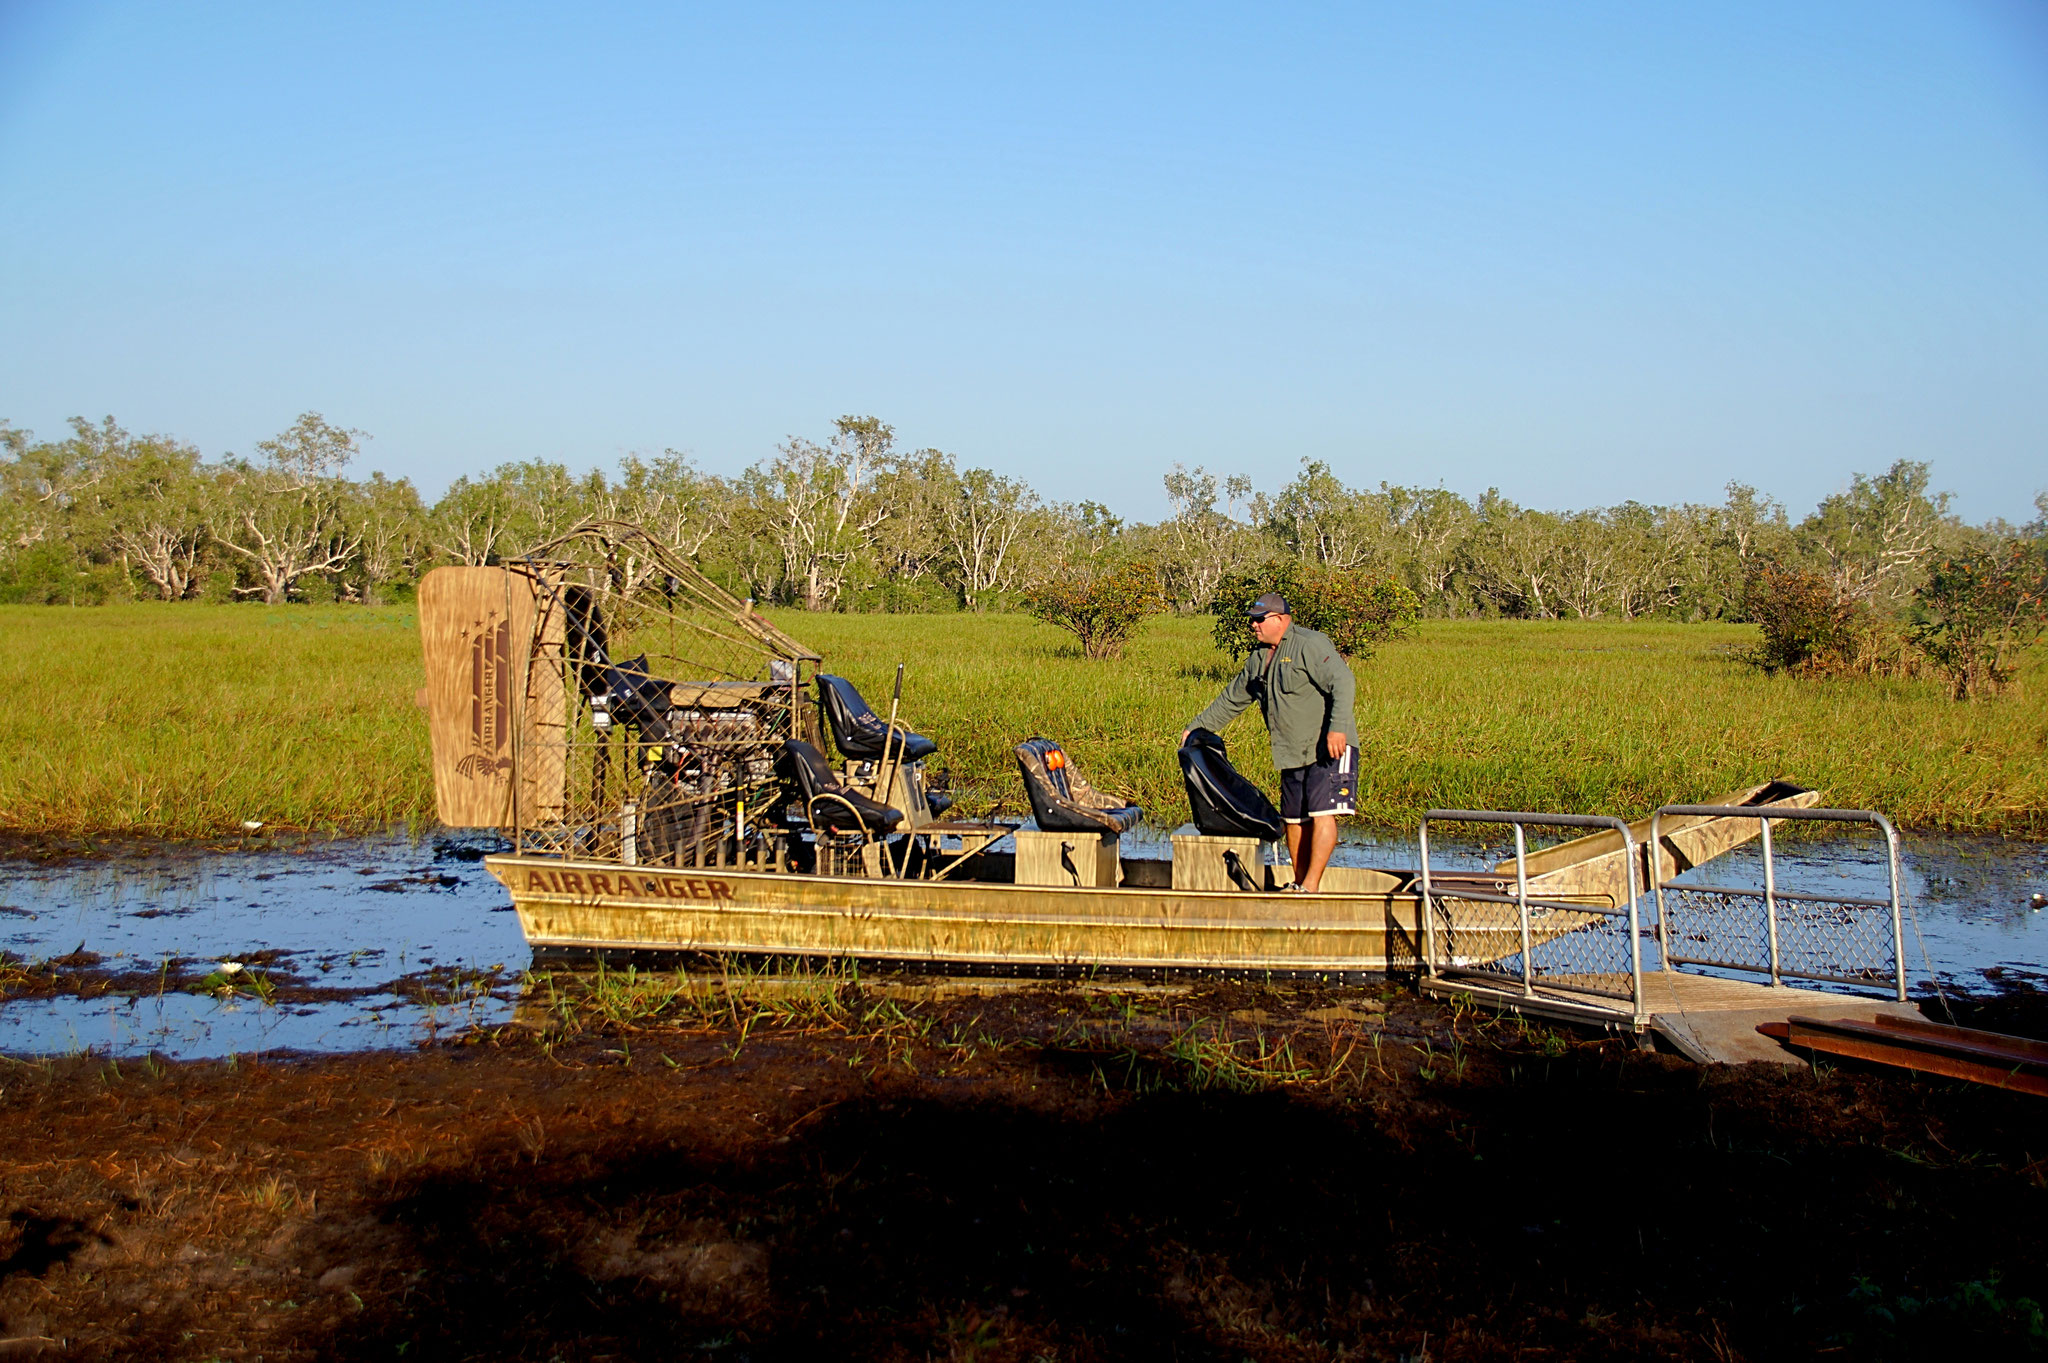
x,y
188,720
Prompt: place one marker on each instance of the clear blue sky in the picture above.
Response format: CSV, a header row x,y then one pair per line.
x,y
1584,252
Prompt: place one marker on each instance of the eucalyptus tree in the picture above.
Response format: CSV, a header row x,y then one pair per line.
x,y
680,504
908,544
1586,562
1510,558
1317,518
392,525
1432,524
157,502
287,516
819,504
1875,538
982,522
43,483
469,524
1200,543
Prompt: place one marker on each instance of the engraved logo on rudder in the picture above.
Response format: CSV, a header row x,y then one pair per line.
x,y
490,700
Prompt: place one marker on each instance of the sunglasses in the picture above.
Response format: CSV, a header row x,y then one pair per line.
x,y
1259,619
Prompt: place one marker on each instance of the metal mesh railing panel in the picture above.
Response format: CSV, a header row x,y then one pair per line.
x,y
1572,948
1848,941
1708,927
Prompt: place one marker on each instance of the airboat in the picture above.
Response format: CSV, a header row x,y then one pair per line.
x,y
677,778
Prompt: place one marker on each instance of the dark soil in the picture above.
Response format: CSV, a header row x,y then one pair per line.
x,y
1052,1174
276,977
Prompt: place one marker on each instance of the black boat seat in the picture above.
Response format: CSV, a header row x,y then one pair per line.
x,y
860,733
1226,805
828,802
1062,801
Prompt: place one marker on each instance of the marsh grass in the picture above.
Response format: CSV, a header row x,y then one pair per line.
x,y
1599,717
188,720
1122,1042
791,999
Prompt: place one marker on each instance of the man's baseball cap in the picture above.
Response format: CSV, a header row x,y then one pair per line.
x,y
1272,603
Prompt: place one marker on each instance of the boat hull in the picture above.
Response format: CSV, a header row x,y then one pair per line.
x,y
576,909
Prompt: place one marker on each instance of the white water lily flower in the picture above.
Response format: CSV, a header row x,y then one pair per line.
x,y
229,967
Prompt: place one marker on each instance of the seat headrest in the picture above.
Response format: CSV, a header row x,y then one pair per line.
x,y
844,693
809,767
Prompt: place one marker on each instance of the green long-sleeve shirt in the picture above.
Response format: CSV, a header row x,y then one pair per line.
x,y
1304,693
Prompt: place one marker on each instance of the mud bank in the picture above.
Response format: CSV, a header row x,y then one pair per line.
x,y
900,1172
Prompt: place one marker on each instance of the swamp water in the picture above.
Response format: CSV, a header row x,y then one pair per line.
x,y
386,941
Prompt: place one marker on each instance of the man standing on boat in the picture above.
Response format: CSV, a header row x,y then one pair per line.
x,y
1305,691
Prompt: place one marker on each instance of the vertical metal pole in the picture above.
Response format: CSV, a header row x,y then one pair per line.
x,y
885,776
1771,900
1522,904
1891,847
1635,937
1428,919
1657,887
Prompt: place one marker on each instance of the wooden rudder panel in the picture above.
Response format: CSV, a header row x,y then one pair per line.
x,y
476,633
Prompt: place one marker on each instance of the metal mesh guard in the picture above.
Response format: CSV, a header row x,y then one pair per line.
x,y
1819,937
1585,952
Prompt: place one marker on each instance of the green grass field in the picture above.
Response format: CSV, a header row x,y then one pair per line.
x,y
187,720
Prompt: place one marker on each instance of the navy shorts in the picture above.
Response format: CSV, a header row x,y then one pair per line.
x,y
1328,785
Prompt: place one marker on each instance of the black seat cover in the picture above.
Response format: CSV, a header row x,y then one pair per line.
x,y
805,768
1225,804
858,731
1061,800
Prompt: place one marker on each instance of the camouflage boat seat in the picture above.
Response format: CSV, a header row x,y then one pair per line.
x,y
1226,805
1062,801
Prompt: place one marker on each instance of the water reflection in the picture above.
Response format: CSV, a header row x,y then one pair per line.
x,y
360,944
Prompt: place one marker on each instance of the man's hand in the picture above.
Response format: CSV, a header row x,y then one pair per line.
x,y
1336,743
1184,736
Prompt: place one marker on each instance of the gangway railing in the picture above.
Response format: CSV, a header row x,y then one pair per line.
x,y
1782,934
1547,946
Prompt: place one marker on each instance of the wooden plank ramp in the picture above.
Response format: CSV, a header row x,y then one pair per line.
x,y
2008,1062
1705,1018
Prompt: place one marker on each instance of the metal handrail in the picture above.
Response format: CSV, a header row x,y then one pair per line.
x,y
1771,895
1555,905
1520,820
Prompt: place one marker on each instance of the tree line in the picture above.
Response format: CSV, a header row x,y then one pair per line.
x,y
853,522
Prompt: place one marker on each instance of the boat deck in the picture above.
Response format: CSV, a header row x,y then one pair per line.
x,y
1705,1018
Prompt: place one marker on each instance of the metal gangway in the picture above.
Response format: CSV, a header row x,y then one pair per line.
x,y
1726,957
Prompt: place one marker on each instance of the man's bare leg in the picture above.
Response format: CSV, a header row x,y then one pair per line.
x,y
1322,841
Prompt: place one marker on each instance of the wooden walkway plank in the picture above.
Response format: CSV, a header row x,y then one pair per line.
x,y
1992,1058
